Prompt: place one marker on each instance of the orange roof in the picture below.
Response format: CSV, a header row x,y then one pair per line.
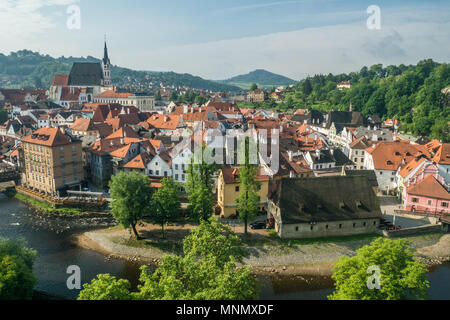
x,y
443,155
113,94
391,155
122,152
230,176
140,162
167,122
50,137
82,124
406,170
124,132
60,80
429,187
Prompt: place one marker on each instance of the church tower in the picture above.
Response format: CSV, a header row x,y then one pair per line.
x,y
106,66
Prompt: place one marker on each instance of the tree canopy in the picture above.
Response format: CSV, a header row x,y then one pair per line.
x,y
16,270
166,201
401,275
131,199
207,271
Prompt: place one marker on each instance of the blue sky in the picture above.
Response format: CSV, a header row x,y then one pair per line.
x,y
218,39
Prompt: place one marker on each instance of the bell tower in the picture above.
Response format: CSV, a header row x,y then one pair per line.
x,y
106,66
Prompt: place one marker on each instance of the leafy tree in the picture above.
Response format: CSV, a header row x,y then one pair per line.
x,y
213,239
206,272
402,277
16,270
253,87
166,202
248,200
106,287
200,185
131,199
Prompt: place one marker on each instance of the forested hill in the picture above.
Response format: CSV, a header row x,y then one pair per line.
x,y
263,78
27,69
416,95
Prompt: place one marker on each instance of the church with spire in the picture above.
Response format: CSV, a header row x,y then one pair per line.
x,y
85,81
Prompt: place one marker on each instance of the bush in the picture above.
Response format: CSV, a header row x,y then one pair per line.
x,y
16,270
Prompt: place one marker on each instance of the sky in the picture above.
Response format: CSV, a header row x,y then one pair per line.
x,y
218,39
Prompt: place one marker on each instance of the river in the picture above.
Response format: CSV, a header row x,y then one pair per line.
x,y
56,253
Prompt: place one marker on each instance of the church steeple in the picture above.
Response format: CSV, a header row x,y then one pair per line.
x,y
105,55
106,66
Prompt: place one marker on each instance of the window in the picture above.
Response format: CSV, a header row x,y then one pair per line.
x,y
237,189
444,204
354,225
296,228
365,224
430,202
176,177
415,200
340,226
176,167
326,227
312,228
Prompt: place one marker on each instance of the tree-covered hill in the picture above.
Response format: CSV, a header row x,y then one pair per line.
x,y
415,95
263,78
27,69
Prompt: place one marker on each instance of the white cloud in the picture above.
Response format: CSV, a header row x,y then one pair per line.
x,y
21,20
340,48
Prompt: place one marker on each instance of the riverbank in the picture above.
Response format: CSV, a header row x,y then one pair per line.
x,y
316,259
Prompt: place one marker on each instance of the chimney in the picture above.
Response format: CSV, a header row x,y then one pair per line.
x,y
165,118
318,153
351,107
122,141
185,108
291,156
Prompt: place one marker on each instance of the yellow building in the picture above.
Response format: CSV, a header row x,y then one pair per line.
x,y
53,161
229,190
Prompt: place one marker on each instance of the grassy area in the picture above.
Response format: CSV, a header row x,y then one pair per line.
x,y
46,207
274,240
170,247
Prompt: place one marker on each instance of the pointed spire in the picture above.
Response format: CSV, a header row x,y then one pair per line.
x,y
105,57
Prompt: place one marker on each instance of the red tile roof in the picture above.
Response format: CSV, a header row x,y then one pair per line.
x,y
429,187
50,137
61,80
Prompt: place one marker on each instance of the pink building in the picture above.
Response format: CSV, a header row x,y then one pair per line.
x,y
427,192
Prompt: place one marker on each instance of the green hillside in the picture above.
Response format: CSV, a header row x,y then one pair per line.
x,y
27,69
263,78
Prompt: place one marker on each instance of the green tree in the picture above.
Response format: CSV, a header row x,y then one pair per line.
x,y
131,199
206,272
248,200
16,270
253,87
401,277
106,287
200,185
166,202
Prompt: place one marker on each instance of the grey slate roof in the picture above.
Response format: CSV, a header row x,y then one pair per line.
x,y
326,199
86,74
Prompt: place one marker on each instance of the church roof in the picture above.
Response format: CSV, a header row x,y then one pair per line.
x,y
86,74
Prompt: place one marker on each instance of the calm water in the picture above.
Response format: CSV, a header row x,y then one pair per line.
x,y
56,253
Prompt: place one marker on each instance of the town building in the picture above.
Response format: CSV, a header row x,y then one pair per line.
x,y
228,190
324,207
53,162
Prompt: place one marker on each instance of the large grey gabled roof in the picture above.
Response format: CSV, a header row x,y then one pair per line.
x,y
326,199
86,74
